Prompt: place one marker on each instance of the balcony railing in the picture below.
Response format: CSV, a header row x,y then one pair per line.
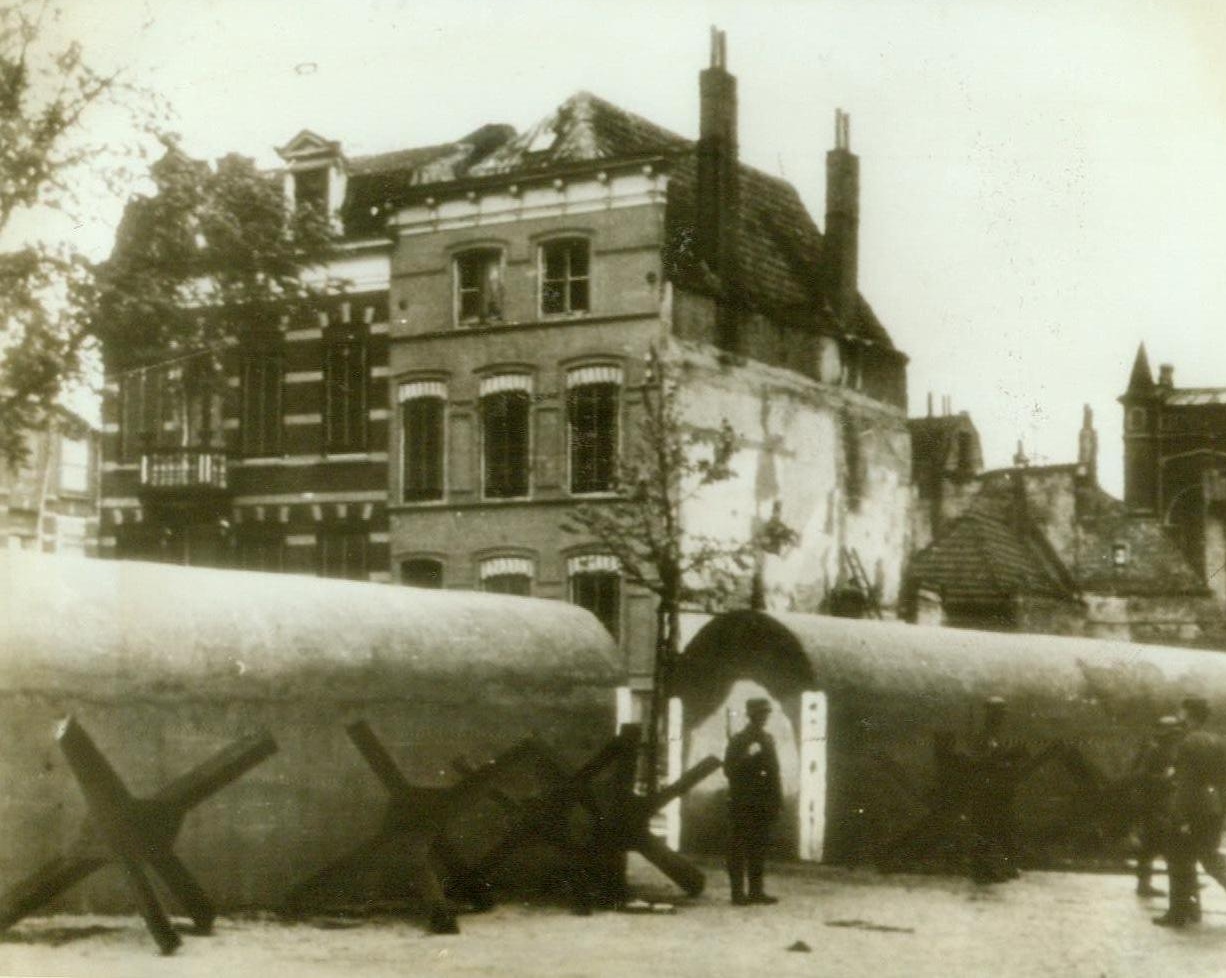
x,y
183,468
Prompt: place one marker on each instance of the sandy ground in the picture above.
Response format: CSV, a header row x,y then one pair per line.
x,y
853,922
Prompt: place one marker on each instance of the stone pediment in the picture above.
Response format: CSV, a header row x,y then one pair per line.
x,y
308,145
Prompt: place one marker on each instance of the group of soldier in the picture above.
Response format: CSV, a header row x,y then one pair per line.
x,y
1179,779
1180,776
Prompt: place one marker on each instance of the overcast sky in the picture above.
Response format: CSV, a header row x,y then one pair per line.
x,y
1043,183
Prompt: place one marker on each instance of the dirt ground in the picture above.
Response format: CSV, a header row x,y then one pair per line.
x,y
829,922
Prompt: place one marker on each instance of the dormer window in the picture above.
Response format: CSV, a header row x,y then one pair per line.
x,y
478,278
311,190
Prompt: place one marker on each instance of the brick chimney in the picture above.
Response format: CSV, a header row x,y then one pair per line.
x,y
718,191
842,246
1087,445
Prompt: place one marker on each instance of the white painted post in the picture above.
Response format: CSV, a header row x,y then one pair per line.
x,y
812,801
623,708
675,766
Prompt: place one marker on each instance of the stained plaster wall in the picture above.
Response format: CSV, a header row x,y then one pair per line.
x,y
793,453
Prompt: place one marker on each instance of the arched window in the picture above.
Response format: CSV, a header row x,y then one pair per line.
x,y
507,575
592,398
421,430
425,572
594,582
505,443
564,276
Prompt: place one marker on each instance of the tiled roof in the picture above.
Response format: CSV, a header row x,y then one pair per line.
x,y
779,251
1154,564
984,556
584,128
379,183
1196,396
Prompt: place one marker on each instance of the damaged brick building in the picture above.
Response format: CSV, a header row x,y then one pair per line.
x,y
1043,548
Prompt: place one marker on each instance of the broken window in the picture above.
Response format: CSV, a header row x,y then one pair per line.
x,y
564,276
478,275
591,418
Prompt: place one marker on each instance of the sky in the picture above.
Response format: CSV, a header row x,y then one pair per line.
x,y
1043,185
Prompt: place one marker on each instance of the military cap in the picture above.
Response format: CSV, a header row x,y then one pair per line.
x,y
757,704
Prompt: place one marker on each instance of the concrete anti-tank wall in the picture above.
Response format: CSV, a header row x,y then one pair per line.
x,y
164,666
892,686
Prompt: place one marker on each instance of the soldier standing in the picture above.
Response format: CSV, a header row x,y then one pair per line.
x,y
754,798
994,834
1153,772
1197,810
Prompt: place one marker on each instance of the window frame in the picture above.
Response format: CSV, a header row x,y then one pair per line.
x,y
427,391
422,560
496,255
519,388
598,567
504,568
344,534
272,426
337,339
594,376
566,241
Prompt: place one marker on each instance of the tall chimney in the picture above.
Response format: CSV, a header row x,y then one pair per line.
x,y
842,246
1087,445
718,191
1166,376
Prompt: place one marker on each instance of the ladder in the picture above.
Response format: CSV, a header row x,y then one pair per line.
x,y
855,572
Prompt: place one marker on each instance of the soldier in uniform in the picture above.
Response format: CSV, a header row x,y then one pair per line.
x,y
1196,814
993,829
754,797
1152,774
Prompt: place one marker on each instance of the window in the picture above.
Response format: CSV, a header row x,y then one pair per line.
x,y
345,384
507,575
591,422
478,275
261,552
74,465
595,584
311,189
260,420
505,402
1137,419
140,393
564,276
421,418
342,553
853,463
422,572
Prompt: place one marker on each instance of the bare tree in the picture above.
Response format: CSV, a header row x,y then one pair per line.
x,y
666,466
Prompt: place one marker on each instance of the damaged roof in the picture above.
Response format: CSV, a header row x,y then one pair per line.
x,y
380,183
779,260
986,555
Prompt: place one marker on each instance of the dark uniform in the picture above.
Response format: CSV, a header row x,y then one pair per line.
x,y
1152,776
993,824
1196,816
754,798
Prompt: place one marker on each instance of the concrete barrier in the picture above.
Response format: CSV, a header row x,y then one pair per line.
x,y
889,687
166,665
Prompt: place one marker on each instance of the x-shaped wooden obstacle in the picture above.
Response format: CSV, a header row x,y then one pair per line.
x,y
621,823
414,822
134,832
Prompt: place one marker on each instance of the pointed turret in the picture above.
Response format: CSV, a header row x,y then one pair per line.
x,y
1142,379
